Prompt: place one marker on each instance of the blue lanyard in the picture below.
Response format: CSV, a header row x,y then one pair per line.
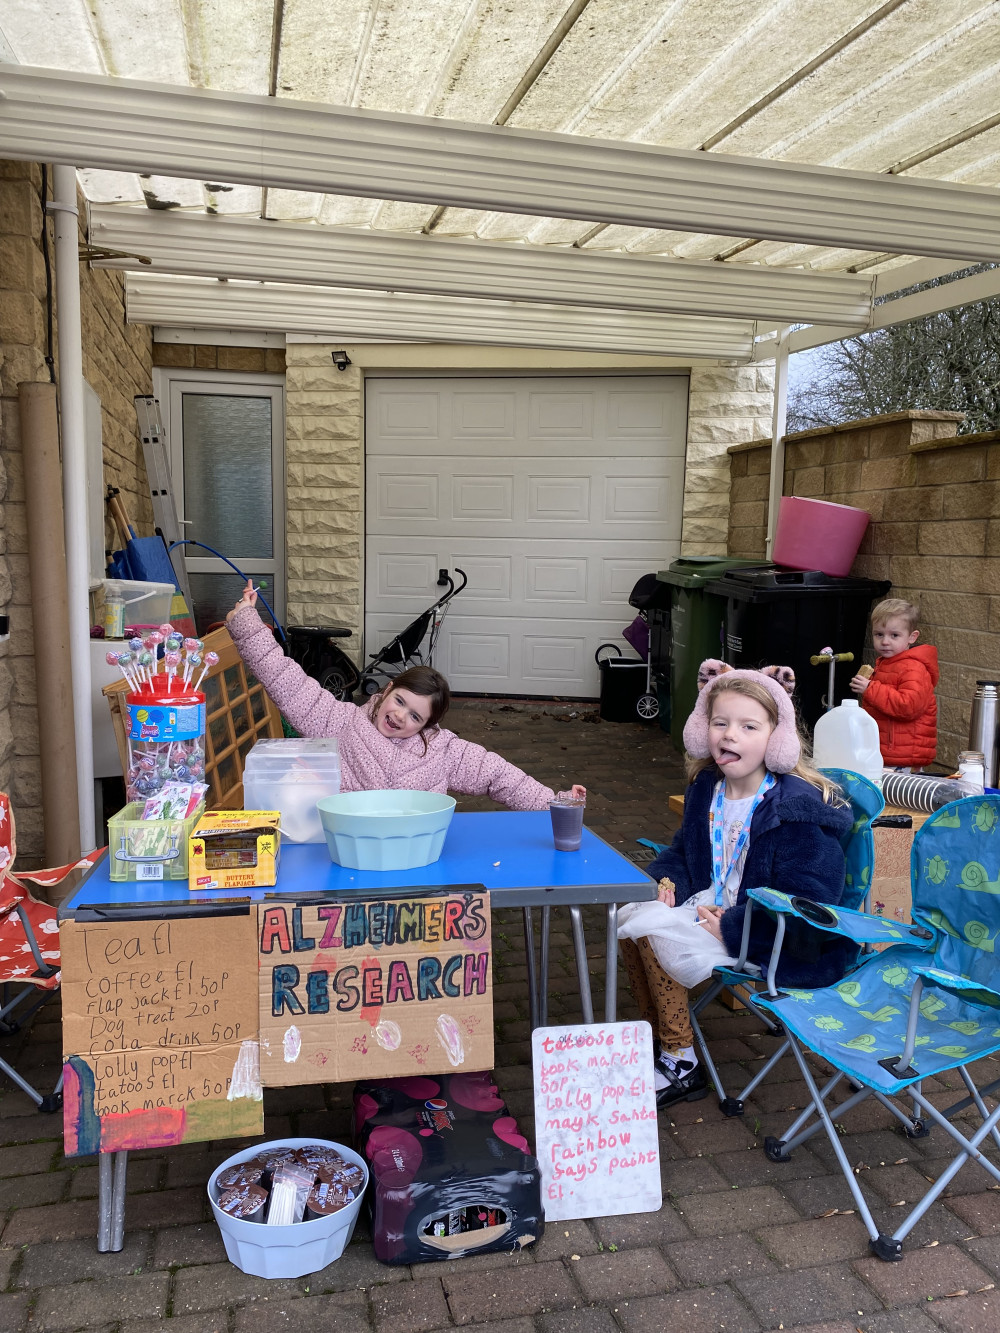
x,y
720,870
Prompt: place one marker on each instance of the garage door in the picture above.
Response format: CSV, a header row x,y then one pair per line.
x,y
553,494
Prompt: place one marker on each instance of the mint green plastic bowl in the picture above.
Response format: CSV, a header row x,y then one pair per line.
x,y
385,830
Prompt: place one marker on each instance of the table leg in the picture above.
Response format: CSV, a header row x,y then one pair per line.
x,y
529,956
112,1169
104,1166
118,1201
543,970
582,972
611,965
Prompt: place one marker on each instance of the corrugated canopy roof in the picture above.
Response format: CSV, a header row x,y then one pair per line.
x,y
904,88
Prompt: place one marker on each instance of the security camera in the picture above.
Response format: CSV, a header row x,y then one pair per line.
x,y
341,360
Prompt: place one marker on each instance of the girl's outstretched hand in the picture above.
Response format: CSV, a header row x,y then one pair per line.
x,y
577,792
249,598
666,892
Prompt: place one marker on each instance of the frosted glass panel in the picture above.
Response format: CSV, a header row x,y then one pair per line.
x,y
215,595
227,473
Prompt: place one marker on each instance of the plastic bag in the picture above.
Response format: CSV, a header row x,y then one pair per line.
x,y
290,1188
686,950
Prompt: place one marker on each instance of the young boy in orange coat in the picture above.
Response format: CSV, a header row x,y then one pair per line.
x,y
900,694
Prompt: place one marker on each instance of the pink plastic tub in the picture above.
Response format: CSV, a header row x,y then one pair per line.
x,y
815,534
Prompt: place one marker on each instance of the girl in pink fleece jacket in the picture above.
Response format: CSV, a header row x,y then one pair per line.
x,y
394,740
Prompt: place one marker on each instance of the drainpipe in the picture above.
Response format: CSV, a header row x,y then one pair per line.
x,y
777,479
74,468
49,608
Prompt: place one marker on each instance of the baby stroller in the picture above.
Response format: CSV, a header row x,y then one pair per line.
x,y
407,648
315,649
625,695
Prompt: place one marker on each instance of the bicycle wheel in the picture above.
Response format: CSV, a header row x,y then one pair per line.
x,y
336,680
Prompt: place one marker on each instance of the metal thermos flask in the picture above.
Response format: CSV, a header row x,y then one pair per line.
x,y
983,726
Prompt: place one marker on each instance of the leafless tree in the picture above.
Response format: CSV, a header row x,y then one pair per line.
x,y
948,362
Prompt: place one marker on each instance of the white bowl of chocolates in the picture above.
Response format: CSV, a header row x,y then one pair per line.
x,y
289,1207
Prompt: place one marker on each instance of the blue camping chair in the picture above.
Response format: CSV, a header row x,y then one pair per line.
x,y
859,851
928,1004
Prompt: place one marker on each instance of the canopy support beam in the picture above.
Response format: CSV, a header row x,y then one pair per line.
x,y
778,420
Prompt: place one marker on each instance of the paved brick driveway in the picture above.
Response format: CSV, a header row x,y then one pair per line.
x,y
739,1245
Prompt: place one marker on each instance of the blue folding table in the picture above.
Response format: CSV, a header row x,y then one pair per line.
x,y
509,853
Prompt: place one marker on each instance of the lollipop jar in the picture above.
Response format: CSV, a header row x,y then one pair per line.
x,y
166,736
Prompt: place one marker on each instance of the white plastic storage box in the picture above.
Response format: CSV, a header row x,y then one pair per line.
x,y
291,776
145,603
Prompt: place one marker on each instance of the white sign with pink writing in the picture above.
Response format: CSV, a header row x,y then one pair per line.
x,y
595,1120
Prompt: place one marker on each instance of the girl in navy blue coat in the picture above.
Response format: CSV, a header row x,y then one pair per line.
x,y
756,815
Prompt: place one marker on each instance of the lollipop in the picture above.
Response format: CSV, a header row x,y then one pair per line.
x,y
172,660
166,629
192,645
145,660
193,660
153,641
210,661
125,663
135,645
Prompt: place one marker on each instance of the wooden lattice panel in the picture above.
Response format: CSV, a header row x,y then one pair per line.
x,y
238,711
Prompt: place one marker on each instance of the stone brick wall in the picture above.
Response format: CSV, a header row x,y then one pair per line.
x,y
324,481
117,365
934,498
197,356
726,404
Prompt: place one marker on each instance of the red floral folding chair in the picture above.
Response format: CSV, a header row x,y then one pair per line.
x,y
29,946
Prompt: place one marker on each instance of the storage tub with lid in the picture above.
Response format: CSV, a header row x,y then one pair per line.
x,y
291,776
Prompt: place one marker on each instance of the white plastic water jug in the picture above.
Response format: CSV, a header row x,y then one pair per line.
x,y
847,737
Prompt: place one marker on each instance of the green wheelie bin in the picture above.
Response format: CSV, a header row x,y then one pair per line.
x,y
697,627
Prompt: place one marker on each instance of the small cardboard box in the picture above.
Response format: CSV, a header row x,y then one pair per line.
x,y
234,849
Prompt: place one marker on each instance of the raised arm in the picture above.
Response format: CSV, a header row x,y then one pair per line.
x,y
310,709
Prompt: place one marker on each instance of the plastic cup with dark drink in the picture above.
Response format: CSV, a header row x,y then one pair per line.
x,y
567,824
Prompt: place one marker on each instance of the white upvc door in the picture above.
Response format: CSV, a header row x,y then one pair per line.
x,y
226,444
554,494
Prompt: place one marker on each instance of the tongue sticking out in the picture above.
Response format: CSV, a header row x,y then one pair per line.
x,y
728,757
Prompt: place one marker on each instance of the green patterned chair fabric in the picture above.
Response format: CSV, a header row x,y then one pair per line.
x,y
955,874
911,1011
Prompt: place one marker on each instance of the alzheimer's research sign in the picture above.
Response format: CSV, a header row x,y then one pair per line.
x,y
377,988
595,1120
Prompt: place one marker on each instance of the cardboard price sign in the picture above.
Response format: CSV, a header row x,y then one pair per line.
x,y
159,1032
375,989
595,1120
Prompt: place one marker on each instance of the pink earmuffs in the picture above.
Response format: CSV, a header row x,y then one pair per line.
x,y
783,748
